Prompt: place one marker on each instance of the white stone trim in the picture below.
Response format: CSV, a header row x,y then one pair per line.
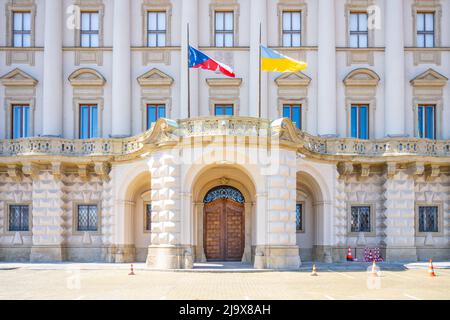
x,y
428,89
441,213
293,5
427,56
156,54
18,56
224,5
373,222
90,55
361,88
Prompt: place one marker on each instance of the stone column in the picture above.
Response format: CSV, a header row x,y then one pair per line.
x,y
258,18
280,249
121,73
189,16
394,105
326,65
48,211
52,101
399,197
166,250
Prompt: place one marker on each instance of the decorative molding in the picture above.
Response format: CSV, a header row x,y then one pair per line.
x,y
86,77
14,172
20,89
365,170
18,78
56,168
156,88
31,170
391,169
224,91
345,169
83,172
168,132
361,88
155,78
428,89
429,78
102,169
362,77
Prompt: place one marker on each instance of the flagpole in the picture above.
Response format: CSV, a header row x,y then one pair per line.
x,y
188,74
260,43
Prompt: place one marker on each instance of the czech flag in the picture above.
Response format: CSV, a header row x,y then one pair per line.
x,y
199,60
273,61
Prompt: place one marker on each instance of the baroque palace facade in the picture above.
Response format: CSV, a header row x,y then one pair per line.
x,y
101,159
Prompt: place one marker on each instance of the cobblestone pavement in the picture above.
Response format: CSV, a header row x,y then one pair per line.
x,y
96,281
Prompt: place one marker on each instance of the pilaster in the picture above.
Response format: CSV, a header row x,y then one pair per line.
x,y
399,213
167,250
48,222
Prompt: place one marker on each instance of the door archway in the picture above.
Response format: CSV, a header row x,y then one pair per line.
x,y
224,224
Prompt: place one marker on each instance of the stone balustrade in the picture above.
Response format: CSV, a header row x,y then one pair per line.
x,y
168,130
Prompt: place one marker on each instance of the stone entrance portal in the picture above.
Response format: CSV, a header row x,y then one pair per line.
x,y
224,221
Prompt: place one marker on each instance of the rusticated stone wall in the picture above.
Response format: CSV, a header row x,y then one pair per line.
x,y
434,191
14,246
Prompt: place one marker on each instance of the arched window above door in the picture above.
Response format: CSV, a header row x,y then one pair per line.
x,y
224,192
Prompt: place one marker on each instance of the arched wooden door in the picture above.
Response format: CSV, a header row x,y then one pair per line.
x,y
224,225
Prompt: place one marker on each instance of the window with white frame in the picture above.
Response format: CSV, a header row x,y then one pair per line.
x,y
428,219
425,29
21,30
360,219
87,218
19,219
224,28
359,121
426,121
359,31
223,110
294,113
90,27
292,28
156,28
155,112
20,121
88,121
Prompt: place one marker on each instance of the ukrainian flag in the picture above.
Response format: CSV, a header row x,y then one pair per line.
x,y
273,61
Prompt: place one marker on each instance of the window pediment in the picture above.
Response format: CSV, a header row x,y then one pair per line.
x,y
155,77
18,77
297,79
429,78
362,77
86,77
224,82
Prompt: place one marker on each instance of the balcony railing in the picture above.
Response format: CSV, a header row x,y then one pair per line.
x,y
169,130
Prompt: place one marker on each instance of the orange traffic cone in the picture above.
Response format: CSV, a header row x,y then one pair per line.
x,y
431,269
349,254
314,271
132,271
